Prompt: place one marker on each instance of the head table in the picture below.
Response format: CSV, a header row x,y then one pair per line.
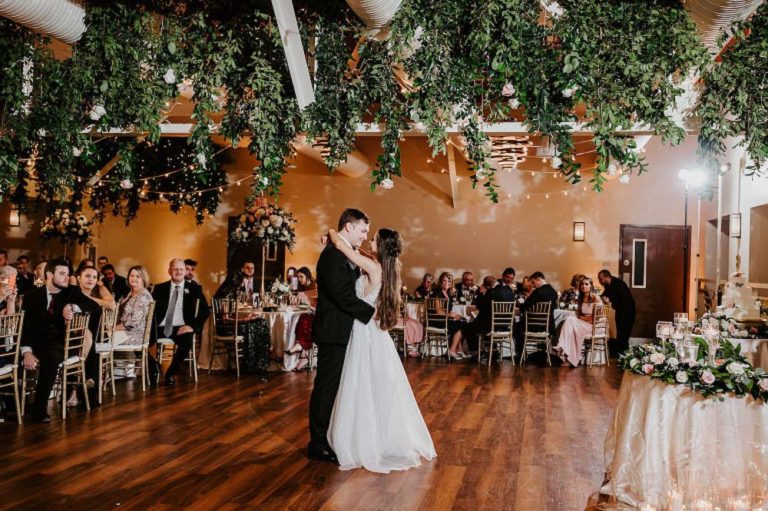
x,y
667,447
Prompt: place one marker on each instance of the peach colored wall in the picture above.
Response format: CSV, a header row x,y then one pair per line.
x,y
530,235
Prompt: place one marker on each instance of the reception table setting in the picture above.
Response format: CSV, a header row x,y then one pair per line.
x,y
690,429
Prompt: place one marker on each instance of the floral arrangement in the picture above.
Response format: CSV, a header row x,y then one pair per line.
x,y
731,372
280,288
270,224
728,326
67,226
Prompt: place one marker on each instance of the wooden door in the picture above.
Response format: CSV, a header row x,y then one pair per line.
x,y
239,253
651,263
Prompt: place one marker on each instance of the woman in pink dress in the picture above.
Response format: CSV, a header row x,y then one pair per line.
x,y
576,328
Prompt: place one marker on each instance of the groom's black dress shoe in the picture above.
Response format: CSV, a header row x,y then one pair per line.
x,y
321,454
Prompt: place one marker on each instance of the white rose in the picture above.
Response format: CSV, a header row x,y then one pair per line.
x,y
265,222
624,179
480,175
201,159
763,384
557,162
735,368
508,90
673,362
681,377
169,76
76,151
707,378
387,184
41,132
658,358
265,181
80,232
270,230
97,112
126,184
513,103
567,93
185,88
633,362
276,221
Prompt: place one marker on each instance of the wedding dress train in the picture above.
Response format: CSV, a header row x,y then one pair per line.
x,y
376,423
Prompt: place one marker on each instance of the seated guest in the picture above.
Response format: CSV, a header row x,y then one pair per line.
x,y
527,287
134,307
425,288
576,328
181,310
115,283
446,291
8,296
291,278
479,326
542,293
466,289
243,282
7,272
73,276
507,288
307,287
571,295
46,309
25,280
191,267
101,262
93,290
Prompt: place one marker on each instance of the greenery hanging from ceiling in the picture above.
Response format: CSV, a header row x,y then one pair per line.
x,y
735,98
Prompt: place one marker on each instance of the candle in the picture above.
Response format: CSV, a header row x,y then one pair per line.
x,y
675,501
702,505
647,507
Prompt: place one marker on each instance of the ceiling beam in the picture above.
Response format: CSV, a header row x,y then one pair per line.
x,y
294,51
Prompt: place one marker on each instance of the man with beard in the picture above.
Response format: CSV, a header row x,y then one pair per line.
x,y
46,311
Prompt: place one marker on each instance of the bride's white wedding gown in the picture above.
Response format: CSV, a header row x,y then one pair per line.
x,y
376,423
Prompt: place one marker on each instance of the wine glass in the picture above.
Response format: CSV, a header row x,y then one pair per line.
x,y
680,316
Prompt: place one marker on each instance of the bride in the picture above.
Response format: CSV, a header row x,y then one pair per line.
x,y
376,423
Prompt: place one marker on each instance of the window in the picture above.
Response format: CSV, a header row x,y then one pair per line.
x,y
639,258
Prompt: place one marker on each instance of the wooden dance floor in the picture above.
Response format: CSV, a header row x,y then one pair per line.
x,y
508,438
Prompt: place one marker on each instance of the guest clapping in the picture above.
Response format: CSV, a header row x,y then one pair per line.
x,y
576,328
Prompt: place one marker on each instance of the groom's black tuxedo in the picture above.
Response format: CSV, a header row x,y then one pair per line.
x,y
337,309
337,304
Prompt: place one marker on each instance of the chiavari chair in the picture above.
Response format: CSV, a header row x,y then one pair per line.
x,y
10,343
226,315
537,334
502,319
143,363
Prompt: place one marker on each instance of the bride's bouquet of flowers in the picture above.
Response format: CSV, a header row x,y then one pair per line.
x,y
268,223
67,226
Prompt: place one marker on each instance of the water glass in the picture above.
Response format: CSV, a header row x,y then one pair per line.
x,y
690,352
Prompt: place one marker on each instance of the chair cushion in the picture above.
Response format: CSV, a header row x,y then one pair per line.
x,y
165,341
435,329
6,370
228,338
102,347
128,347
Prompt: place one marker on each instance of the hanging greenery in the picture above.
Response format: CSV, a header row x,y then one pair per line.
x,y
735,97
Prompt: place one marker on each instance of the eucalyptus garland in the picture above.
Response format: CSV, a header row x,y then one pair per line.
x,y
735,97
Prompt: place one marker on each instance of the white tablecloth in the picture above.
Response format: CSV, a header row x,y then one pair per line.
x,y
663,435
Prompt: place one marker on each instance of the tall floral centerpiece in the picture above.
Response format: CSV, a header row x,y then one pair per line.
x,y
67,225
267,223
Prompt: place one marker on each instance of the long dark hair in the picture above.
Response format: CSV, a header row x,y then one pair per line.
x,y
390,245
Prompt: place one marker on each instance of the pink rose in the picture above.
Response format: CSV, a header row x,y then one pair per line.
x,y
707,378
647,368
763,384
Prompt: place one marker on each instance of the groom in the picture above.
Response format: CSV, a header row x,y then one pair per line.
x,y
337,308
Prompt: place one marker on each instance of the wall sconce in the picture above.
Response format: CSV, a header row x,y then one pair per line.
x,y
579,230
14,218
735,225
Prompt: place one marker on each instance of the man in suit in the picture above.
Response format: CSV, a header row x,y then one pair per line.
x,y
191,267
244,282
542,293
506,291
337,308
46,310
466,288
620,297
25,279
180,310
114,283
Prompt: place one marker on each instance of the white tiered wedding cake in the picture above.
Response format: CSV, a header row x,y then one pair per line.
x,y
738,302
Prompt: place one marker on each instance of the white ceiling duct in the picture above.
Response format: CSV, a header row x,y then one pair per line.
x,y
714,16
375,13
61,19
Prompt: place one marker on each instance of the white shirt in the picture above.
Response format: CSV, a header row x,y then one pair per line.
x,y
247,284
178,312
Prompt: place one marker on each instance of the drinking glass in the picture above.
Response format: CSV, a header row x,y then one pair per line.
x,y
680,316
690,352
